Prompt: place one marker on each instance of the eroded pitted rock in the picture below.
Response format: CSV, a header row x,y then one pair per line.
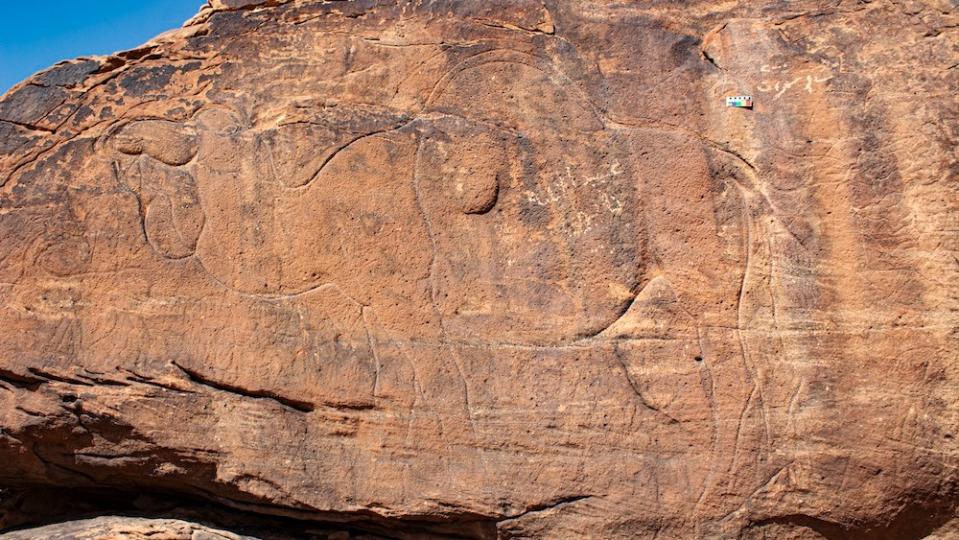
x,y
494,269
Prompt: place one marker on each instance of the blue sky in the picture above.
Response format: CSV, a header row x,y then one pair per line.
x,y
37,34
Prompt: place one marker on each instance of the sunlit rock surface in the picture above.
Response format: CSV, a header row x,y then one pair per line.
x,y
493,269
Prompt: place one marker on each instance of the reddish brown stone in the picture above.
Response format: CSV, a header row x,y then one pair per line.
x,y
496,269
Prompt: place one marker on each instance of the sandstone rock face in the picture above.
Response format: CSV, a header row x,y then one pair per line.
x,y
105,528
495,269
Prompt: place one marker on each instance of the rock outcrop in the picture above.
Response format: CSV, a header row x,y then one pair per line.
x,y
489,269
131,528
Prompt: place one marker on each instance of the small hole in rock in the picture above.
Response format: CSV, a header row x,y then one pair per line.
x,y
698,359
68,398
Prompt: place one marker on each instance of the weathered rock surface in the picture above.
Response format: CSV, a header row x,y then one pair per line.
x,y
495,269
108,528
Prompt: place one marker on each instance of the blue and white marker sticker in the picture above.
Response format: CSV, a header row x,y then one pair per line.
x,y
740,102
